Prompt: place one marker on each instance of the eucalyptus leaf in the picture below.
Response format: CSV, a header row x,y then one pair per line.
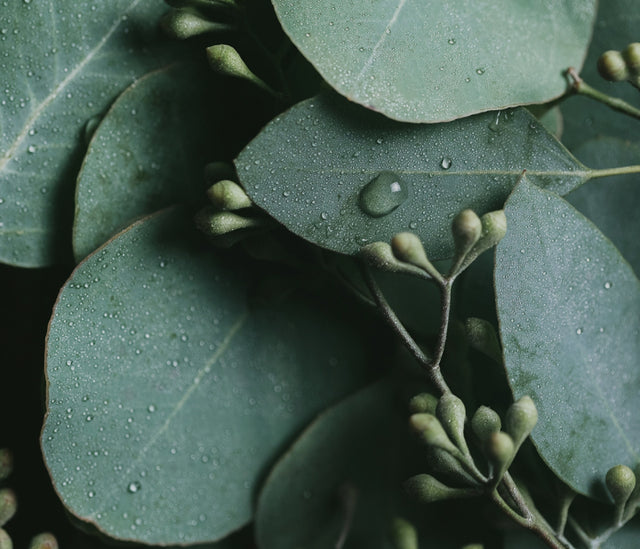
x,y
616,26
64,62
612,204
435,60
147,153
168,392
569,306
356,449
311,168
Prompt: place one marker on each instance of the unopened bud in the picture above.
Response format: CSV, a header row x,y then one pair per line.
x,y
441,461
466,229
612,66
8,505
428,489
228,195
424,403
631,55
500,450
494,227
6,463
482,336
224,59
44,541
620,481
185,23
220,223
408,248
452,415
485,422
520,419
5,540
380,256
431,432
403,534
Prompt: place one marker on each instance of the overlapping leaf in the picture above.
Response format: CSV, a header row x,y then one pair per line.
x,y
309,167
569,308
64,63
437,60
168,393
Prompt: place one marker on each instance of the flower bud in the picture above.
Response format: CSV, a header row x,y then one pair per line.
x,y
452,415
380,256
441,461
6,463
220,223
612,66
494,227
620,481
44,541
427,489
227,195
500,450
403,534
485,422
407,247
8,505
224,59
520,420
466,229
431,432
482,337
424,403
186,23
5,540
631,55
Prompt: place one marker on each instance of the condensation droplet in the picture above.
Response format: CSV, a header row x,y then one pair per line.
x,y
383,194
134,487
607,285
445,164
579,331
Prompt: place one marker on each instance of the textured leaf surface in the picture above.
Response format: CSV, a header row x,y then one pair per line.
x,y
309,166
64,63
435,60
616,26
168,393
613,203
569,308
147,153
360,444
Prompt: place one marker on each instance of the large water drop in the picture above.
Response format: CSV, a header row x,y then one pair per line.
x,y
383,194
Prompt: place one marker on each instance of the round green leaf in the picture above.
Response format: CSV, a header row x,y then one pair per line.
x,y
436,60
64,61
168,392
612,204
568,305
310,167
147,153
616,26
357,449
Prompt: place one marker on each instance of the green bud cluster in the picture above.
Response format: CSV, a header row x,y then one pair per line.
x,y
485,422
617,66
380,255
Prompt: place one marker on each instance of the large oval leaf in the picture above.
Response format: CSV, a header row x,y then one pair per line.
x,y
437,60
359,446
147,153
168,393
64,63
569,308
308,167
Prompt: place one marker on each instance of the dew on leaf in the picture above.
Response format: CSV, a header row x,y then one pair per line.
x,y
445,164
134,487
383,194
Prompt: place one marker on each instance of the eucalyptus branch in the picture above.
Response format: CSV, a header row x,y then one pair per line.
x,y
617,104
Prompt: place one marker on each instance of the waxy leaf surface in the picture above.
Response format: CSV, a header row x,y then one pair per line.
x,y
354,455
436,60
147,153
569,309
310,167
169,393
64,62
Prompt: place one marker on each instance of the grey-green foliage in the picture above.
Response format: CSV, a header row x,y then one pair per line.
x,y
438,60
568,306
169,392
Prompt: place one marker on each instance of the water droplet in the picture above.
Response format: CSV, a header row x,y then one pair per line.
x,y
579,331
31,149
89,418
383,194
480,70
445,164
134,487
607,285
151,408
324,215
